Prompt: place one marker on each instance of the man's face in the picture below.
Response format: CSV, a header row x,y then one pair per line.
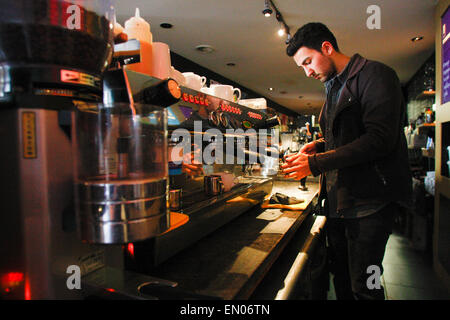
x,y
315,63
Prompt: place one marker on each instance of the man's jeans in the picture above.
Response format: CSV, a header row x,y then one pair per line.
x,y
353,246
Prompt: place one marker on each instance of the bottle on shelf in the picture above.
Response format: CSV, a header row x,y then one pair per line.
x,y
139,29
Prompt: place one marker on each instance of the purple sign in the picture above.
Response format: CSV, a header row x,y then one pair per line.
x,y
445,37
187,111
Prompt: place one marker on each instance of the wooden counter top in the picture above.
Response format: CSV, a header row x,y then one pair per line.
x,y
230,262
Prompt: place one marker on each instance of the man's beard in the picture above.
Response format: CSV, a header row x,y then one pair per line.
x,y
330,73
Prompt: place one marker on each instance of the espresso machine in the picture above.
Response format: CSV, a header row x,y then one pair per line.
x,y
80,179
208,193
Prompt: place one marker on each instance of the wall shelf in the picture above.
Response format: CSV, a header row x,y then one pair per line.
x,y
426,95
428,153
424,128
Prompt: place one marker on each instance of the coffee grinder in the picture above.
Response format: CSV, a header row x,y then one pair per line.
x,y
52,57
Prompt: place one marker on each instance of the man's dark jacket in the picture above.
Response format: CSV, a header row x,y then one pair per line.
x,y
371,151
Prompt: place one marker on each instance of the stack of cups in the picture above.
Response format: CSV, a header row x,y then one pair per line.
x,y
161,60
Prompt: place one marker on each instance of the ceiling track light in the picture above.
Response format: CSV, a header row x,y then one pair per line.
x,y
288,38
284,29
267,11
418,38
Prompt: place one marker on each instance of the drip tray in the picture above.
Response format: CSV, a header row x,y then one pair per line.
x,y
195,201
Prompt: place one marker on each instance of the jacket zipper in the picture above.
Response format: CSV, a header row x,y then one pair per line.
x,y
380,175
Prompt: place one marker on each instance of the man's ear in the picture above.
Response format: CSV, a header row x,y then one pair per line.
x,y
327,48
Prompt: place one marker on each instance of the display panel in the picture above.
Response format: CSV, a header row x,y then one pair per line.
x,y
445,27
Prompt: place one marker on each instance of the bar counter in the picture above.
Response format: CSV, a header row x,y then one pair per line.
x,y
237,260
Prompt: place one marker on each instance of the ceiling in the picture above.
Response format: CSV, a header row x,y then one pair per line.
x,y
239,33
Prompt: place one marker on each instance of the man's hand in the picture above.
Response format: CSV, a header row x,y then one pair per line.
x,y
296,166
190,164
309,148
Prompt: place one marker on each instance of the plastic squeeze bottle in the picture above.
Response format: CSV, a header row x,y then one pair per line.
x,y
137,28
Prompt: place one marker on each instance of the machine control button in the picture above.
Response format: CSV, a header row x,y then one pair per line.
x,y
223,119
247,124
213,118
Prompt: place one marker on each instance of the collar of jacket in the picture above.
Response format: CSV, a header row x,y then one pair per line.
x,y
346,98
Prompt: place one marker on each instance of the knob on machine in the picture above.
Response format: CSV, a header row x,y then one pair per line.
x,y
164,93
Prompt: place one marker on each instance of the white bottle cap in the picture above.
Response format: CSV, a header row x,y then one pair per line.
x,y
118,29
138,28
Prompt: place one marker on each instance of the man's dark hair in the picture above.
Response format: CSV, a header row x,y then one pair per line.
x,y
311,35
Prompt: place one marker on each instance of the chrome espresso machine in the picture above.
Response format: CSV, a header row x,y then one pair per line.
x,y
204,194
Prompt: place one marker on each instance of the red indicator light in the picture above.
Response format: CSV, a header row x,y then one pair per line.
x,y
27,295
11,280
130,249
110,290
254,115
12,277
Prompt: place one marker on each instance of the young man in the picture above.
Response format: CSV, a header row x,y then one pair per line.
x,y
362,157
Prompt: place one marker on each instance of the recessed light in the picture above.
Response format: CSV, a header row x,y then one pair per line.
x,y
231,64
270,89
416,38
283,92
300,97
205,48
166,25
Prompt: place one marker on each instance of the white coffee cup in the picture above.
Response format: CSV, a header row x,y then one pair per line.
x,y
225,91
194,81
237,97
207,90
161,60
177,76
229,180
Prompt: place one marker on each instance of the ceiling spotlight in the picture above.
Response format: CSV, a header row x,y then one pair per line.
x,y
416,39
166,25
267,10
281,32
270,89
204,48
